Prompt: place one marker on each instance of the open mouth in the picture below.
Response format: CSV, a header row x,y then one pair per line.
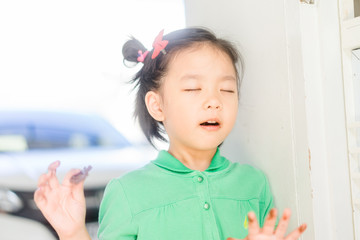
x,y
210,123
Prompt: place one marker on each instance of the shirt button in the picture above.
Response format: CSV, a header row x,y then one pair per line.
x,y
200,179
206,206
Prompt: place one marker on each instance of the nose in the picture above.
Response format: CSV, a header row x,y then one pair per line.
x,y
213,102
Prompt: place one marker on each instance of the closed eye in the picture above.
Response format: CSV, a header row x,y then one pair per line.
x,y
192,89
227,90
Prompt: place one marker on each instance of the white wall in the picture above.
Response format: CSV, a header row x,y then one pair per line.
x,y
291,122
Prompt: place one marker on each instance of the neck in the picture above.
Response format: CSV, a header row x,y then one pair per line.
x,y
193,158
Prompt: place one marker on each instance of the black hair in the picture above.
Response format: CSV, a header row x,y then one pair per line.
x,y
149,76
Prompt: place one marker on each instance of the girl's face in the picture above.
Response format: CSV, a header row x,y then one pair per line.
x,y
198,98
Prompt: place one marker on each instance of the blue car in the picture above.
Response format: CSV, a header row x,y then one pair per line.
x,y
31,140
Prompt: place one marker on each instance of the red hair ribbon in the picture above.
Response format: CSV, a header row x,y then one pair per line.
x,y
159,45
142,56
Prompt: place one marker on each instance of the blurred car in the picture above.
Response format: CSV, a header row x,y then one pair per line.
x,y
31,140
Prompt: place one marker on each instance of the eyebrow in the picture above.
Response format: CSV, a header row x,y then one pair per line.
x,y
198,77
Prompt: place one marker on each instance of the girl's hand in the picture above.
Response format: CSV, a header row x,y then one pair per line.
x,y
268,232
63,205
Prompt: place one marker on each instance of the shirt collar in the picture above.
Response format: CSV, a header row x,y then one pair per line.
x,y
169,162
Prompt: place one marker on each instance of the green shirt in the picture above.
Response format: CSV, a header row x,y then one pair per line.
x,y
165,200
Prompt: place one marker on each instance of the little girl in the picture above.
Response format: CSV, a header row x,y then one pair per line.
x,y
188,86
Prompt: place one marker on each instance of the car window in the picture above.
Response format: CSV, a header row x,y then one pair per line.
x,y
49,131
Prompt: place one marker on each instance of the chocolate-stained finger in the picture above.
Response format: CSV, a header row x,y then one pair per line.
x,y
294,235
283,223
253,226
79,177
269,225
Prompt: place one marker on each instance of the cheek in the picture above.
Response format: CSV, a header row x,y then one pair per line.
x,y
178,102
232,110
176,109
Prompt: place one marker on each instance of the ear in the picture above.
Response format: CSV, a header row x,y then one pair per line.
x,y
154,105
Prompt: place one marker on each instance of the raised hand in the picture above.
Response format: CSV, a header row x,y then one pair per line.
x,y
268,232
63,205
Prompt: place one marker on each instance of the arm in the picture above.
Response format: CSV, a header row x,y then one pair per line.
x,y
116,217
63,205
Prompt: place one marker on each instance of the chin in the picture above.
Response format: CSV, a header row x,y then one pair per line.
x,y
209,145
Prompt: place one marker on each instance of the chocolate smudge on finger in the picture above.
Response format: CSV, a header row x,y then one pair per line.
x,y
77,178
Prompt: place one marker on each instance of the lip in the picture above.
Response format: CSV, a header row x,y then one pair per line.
x,y
211,127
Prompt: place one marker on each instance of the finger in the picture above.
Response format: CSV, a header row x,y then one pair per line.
x,y
39,198
283,224
296,233
46,190
38,195
52,180
69,175
253,226
77,189
269,225
43,179
81,176
53,166
50,176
